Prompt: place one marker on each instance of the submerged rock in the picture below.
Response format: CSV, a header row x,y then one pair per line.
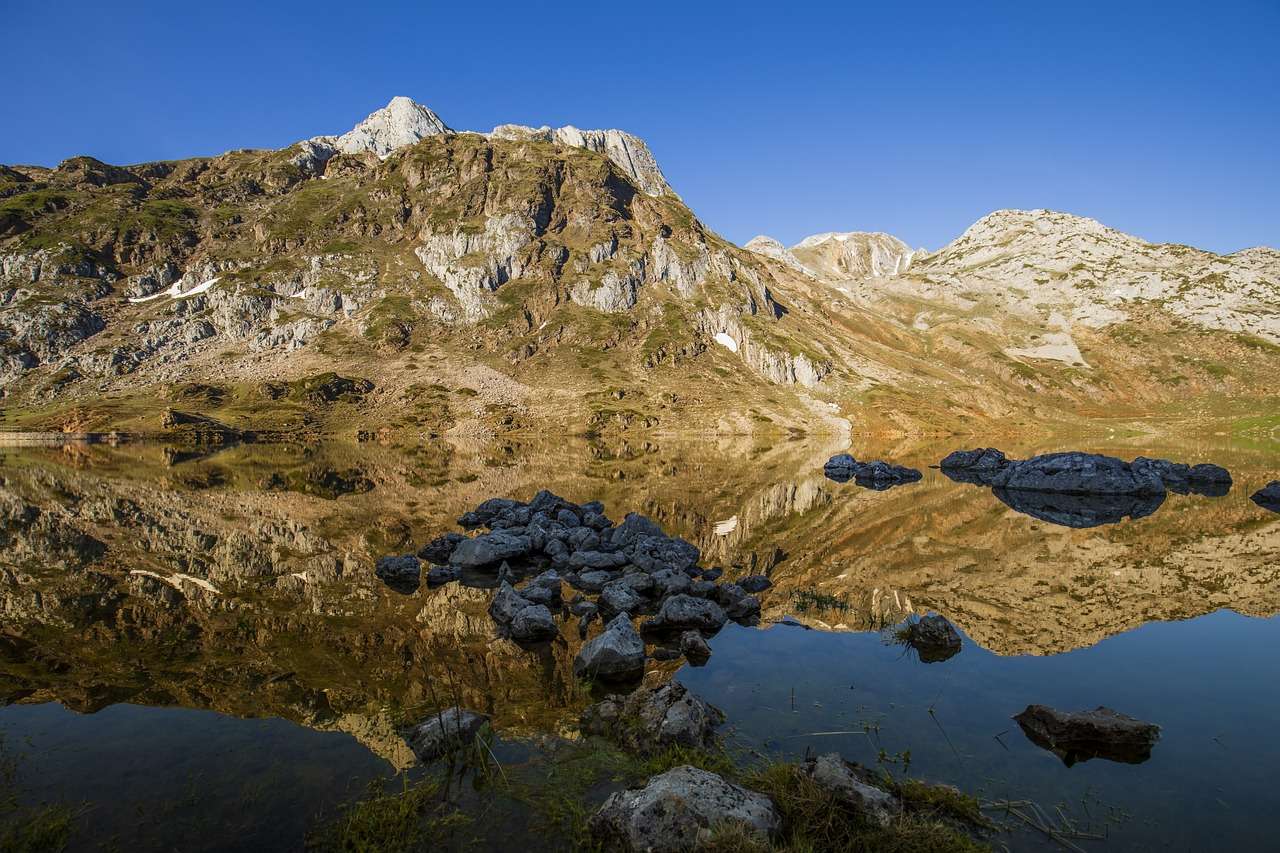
x,y
616,655
1079,736
873,475
933,637
653,718
973,466
849,784
676,811
403,574
1268,497
444,732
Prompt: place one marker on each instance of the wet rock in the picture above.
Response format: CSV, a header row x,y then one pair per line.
x,y
849,783
439,550
488,549
933,637
616,655
680,612
533,624
597,560
506,604
694,647
676,811
440,575
402,574
755,583
668,582
874,475
487,512
653,718
544,589
973,466
445,732
662,653
1079,736
738,604
1080,474
618,597
1079,511
1268,497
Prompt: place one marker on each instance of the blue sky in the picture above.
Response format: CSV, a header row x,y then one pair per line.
x,y
1161,119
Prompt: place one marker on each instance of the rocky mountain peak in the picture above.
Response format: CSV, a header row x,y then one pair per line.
x,y
401,122
841,255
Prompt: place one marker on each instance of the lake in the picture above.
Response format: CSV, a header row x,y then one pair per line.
x,y
195,653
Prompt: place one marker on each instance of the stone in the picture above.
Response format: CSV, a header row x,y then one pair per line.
x,y
597,560
694,647
1079,736
676,811
438,550
534,624
506,604
1079,473
617,654
618,597
488,549
680,612
402,574
755,583
653,718
851,787
440,575
668,582
1268,497
485,514
933,637
444,732
738,604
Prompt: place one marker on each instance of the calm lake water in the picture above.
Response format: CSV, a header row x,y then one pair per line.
x,y
194,649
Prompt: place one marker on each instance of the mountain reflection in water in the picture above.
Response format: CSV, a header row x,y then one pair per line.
x,y
242,582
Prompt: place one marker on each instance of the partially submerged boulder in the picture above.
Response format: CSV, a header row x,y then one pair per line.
x,y
677,810
403,574
617,654
1081,474
973,466
653,718
680,612
444,732
1268,497
873,475
933,637
1081,735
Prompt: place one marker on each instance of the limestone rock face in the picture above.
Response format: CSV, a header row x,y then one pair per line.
x,y
629,152
771,248
838,256
401,122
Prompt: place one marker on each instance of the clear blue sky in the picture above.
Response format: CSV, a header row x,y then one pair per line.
x,y
1161,119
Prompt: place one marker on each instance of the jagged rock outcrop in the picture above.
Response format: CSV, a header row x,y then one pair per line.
x,y
839,256
629,152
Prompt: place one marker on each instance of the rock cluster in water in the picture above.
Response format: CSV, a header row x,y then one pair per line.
x,y
1081,735
1083,489
619,572
872,475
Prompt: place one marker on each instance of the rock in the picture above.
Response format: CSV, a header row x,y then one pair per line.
x,y
444,732
440,575
1210,480
1079,511
651,719
849,784
439,550
593,581
755,583
1268,497
1079,736
670,582
1080,474
875,475
533,624
662,653
488,549
618,597
973,466
737,603
403,574
597,560
544,589
676,811
934,638
616,655
694,647
506,604
487,512
583,608
680,612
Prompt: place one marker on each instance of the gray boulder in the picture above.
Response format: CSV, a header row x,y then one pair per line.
x,y
489,548
616,655
849,784
533,624
681,612
933,637
403,574
1081,735
694,647
754,583
444,732
676,812
439,550
506,604
1081,474
651,719
618,597
1268,497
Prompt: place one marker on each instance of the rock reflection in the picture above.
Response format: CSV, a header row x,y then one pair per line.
x,y
1079,511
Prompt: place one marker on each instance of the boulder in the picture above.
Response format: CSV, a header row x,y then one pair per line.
x,y
439,550
488,549
933,637
1079,736
403,574
681,612
618,597
534,624
973,466
849,783
592,560
616,655
694,647
1268,497
487,512
445,731
755,583
439,575
1079,474
677,810
506,604
651,719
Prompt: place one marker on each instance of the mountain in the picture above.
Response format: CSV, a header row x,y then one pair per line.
x,y
407,277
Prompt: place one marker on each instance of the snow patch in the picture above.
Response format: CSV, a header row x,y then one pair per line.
x,y
727,342
175,291
724,528
176,579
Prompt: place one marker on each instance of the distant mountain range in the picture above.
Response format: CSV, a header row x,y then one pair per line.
x,y
550,278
